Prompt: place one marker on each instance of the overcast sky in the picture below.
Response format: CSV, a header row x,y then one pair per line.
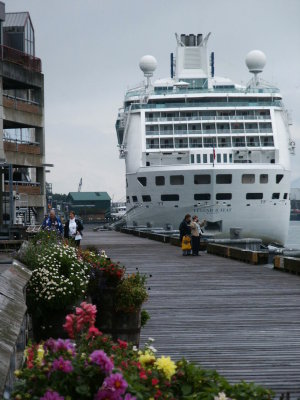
x,y
90,51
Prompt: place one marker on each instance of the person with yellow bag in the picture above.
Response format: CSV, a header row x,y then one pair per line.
x,y
185,235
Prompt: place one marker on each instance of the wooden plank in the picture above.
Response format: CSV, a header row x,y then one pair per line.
x,y
217,312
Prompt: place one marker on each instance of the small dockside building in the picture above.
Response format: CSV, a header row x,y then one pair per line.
x,y
22,136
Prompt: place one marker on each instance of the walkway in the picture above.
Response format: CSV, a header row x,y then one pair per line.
x,y
240,319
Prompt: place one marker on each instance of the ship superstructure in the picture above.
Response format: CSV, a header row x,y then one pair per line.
x,y
199,144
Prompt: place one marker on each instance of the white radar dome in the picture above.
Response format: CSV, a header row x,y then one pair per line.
x,y
148,65
255,61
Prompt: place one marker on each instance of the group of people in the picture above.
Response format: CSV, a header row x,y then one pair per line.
x,y
190,234
71,230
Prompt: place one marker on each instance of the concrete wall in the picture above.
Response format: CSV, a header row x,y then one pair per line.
x,y
13,323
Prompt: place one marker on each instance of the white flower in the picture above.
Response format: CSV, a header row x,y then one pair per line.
x,y
135,348
221,396
151,339
153,349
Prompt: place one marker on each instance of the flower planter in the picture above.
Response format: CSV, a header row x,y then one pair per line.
x,y
49,325
119,324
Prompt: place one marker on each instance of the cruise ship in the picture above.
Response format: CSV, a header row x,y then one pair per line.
x,y
201,144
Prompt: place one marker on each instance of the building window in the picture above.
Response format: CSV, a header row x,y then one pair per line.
x,y
205,158
225,158
146,198
218,158
223,196
202,196
254,196
278,178
176,180
230,158
128,199
275,196
285,196
263,178
147,164
142,180
169,197
202,179
211,158
159,180
248,178
192,158
224,178
134,199
198,158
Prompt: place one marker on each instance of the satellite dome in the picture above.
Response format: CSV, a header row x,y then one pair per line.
x,y
148,65
255,61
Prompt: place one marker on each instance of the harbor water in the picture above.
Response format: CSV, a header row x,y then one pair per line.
x,y
294,235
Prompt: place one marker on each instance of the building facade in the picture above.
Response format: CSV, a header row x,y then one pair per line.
x,y
22,135
91,207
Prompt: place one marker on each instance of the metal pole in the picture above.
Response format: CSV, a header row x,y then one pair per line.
x,y
11,200
1,197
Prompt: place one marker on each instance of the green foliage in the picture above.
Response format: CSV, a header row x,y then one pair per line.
x,y
131,293
145,316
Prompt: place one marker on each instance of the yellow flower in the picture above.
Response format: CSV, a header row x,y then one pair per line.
x,y
40,354
146,358
17,373
167,366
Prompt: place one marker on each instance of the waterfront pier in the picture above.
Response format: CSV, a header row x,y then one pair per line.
x,y
240,319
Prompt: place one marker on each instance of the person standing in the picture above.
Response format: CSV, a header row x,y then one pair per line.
x,y
196,233
185,230
52,223
73,229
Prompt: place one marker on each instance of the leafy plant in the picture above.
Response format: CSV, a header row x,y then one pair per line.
x,y
131,293
145,316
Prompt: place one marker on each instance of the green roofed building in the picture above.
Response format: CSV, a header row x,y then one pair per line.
x,y
90,206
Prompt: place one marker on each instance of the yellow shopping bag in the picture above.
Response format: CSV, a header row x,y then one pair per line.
x,y
186,243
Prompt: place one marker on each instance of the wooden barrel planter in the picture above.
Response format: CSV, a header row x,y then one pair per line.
x,y
119,324
49,325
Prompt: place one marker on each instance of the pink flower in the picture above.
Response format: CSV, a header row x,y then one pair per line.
x,y
100,358
116,383
122,344
63,365
129,397
49,395
69,326
93,332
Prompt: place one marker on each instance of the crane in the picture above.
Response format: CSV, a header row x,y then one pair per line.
x,y
80,185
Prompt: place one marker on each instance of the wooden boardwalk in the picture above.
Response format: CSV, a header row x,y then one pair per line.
x,y
240,319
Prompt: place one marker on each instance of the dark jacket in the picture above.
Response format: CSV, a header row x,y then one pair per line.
x,y
52,225
79,227
184,229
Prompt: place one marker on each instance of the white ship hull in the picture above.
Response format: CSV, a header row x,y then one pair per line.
x,y
266,218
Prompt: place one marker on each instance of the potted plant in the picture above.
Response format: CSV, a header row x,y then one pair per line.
x,y
59,280
118,297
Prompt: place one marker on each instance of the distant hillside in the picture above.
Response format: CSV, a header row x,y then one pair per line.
x,y
296,183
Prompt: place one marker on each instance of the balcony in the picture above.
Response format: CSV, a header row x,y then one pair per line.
x,y
30,188
18,57
21,146
21,105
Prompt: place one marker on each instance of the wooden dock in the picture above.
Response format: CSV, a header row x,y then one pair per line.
x,y
241,319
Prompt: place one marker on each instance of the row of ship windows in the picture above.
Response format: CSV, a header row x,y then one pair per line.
x,y
205,179
206,196
208,128
194,115
248,141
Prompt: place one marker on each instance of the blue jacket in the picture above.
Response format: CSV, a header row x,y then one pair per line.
x,y
52,225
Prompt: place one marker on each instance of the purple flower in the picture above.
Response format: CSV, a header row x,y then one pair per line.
x,y
116,383
105,395
63,365
60,345
49,395
100,358
129,397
